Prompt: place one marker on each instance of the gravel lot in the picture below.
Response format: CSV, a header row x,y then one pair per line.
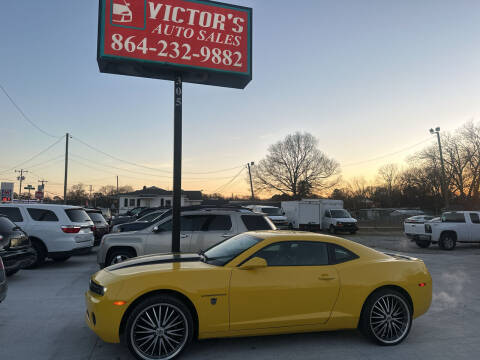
x,y
43,316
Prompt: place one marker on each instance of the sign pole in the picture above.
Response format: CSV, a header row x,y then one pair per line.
x,y
177,165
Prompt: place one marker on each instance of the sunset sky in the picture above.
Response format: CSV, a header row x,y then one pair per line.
x,y
367,78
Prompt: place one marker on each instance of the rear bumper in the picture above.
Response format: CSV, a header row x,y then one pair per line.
x,y
415,237
17,259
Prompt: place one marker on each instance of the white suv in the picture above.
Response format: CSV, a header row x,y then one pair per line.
x,y
200,229
56,231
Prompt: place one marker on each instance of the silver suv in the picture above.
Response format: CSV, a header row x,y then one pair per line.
x,y
200,229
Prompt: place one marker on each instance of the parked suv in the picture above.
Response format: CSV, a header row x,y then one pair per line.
x,y
141,223
200,229
101,226
55,231
15,249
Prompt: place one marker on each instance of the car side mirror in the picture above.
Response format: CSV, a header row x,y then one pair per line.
x,y
157,229
254,263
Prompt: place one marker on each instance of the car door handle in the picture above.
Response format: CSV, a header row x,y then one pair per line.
x,y
326,277
226,235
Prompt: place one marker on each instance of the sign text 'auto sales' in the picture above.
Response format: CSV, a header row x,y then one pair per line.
x,y
207,42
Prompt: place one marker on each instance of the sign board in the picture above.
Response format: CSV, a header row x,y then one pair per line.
x,y
7,191
39,195
205,42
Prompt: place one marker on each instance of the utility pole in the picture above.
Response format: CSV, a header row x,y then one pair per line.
x,y
250,174
91,186
444,177
21,178
118,199
42,188
66,169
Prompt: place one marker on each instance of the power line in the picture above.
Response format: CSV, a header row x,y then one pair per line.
x,y
224,186
387,155
33,157
24,115
151,168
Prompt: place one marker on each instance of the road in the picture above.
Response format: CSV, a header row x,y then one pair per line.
x,y
43,317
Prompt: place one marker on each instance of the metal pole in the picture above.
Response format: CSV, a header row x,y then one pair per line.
x,y
444,177
21,171
66,170
251,183
177,165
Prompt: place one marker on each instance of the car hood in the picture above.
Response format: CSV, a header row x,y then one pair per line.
x,y
149,260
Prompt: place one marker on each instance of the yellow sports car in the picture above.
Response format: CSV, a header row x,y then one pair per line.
x,y
257,283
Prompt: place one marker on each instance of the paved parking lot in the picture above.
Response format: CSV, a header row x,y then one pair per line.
x,y
43,317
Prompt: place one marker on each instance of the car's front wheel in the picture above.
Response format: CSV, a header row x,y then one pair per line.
x,y
120,255
386,317
159,327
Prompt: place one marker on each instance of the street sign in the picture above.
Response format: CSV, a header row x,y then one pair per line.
x,y
39,195
7,191
206,42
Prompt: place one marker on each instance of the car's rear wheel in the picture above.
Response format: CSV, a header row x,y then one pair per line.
x,y
422,243
386,317
120,255
40,254
159,327
448,241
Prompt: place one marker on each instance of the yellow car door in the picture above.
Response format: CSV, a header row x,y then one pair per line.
x,y
298,287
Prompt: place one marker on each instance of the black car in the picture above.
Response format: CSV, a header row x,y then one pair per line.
x,y
3,282
141,223
15,247
101,225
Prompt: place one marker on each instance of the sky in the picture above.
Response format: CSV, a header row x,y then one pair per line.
x,y
367,78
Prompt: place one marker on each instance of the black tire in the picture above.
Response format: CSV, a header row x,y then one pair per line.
x,y
332,230
448,241
353,232
423,243
397,321
11,272
40,254
119,255
60,258
136,328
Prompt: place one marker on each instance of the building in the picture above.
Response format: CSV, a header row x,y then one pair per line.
x,y
156,197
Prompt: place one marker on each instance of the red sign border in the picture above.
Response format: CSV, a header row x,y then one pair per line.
x,y
168,66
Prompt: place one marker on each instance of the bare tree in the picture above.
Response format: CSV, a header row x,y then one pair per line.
x,y
296,167
389,175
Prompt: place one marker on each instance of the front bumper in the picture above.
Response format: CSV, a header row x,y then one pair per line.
x,y
104,318
3,290
14,260
347,227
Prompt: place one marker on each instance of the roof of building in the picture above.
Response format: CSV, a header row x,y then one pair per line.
x,y
155,191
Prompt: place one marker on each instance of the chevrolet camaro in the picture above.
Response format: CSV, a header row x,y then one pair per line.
x,y
257,283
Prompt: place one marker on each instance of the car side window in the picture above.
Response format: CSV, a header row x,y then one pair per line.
x,y
295,253
166,226
339,254
255,222
13,213
475,218
453,217
42,214
218,223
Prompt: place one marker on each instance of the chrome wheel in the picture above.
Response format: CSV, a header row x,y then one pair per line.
x,y
159,331
119,258
390,319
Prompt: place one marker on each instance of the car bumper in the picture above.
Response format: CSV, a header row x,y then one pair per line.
x,y
346,228
14,260
3,290
103,318
415,237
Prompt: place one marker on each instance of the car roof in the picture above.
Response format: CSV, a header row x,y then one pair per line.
x,y
45,206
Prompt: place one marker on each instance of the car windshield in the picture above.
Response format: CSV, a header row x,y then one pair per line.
x,y
151,217
339,214
229,249
96,217
272,211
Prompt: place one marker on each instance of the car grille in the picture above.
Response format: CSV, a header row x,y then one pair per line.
x,y
96,288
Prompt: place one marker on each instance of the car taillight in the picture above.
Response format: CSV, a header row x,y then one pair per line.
x,y
71,229
1,237
93,228
1,264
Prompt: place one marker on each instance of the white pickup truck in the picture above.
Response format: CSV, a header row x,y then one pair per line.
x,y
455,226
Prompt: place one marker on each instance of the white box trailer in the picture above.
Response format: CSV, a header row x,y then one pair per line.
x,y
318,214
